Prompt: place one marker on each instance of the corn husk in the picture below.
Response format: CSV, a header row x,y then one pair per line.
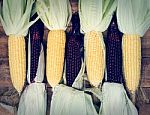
x,y
55,14
115,99
133,20
14,21
14,16
33,100
96,15
133,16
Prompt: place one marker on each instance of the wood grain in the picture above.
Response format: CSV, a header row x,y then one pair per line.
x,y
5,80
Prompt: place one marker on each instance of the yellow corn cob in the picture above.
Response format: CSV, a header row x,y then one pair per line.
x,y
55,56
95,62
132,61
17,61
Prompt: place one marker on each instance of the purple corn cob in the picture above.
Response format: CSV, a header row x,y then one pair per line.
x,y
36,38
73,53
114,53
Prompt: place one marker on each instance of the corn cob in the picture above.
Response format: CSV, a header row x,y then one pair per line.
x,y
95,61
36,37
132,61
17,61
55,56
74,43
114,53
55,14
15,21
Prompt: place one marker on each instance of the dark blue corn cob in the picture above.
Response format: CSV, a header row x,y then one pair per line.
x,y
36,38
114,52
74,43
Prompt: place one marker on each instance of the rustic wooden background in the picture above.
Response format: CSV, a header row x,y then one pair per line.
x,y
9,96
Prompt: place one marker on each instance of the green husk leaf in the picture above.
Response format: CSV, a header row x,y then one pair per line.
x,y
95,15
55,14
133,16
15,16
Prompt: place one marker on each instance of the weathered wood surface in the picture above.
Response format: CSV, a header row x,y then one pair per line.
x,y
9,96
146,67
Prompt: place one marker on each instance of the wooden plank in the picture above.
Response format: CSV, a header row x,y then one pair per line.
x,y
1,29
7,110
144,95
144,109
5,84
3,46
4,74
146,53
146,46
5,79
4,63
147,34
145,42
45,34
145,83
145,68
